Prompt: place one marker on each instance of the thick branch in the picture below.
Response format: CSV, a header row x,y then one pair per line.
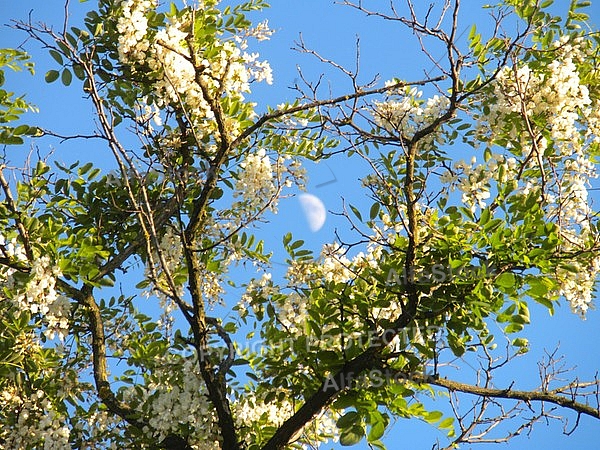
x,y
99,361
335,384
527,396
100,368
333,101
214,380
329,389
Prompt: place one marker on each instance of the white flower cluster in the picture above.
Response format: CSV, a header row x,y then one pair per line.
x,y
292,308
37,422
171,251
322,428
167,55
262,286
261,32
147,113
406,114
38,295
473,180
555,96
160,272
335,267
211,285
179,81
571,209
293,312
571,205
176,398
132,28
255,181
99,428
259,182
252,410
172,254
258,70
577,287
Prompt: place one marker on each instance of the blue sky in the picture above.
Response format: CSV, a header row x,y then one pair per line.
x,y
332,30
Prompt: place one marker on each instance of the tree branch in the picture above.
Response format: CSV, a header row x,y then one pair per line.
x,y
553,396
335,384
10,203
333,101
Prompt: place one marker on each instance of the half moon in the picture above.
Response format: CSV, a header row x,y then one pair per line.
x,y
314,211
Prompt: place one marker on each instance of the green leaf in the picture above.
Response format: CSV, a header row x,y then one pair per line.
x,y
506,315
485,216
377,445
433,416
66,77
472,31
447,423
520,342
505,280
57,56
376,431
299,243
356,212
21,129
513,328
547,303
352,436
85,168
348,419
52,76
287,239
374,210
79,71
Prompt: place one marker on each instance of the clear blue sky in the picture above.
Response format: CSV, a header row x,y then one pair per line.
x,y
332,30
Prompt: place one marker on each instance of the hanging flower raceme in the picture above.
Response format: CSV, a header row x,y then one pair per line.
x,y
187,73
37,294
551,120
405,113
255,180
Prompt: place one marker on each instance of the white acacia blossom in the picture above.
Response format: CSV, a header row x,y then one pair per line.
x,y
556,97
38,295
176,397
252,409
261,32
186,79
164,270
172,267
405,113
293,305
258,70
167,262
132,28
255,181
37,421
474,180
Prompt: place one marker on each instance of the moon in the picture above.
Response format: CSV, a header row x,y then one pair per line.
x,y
314,211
